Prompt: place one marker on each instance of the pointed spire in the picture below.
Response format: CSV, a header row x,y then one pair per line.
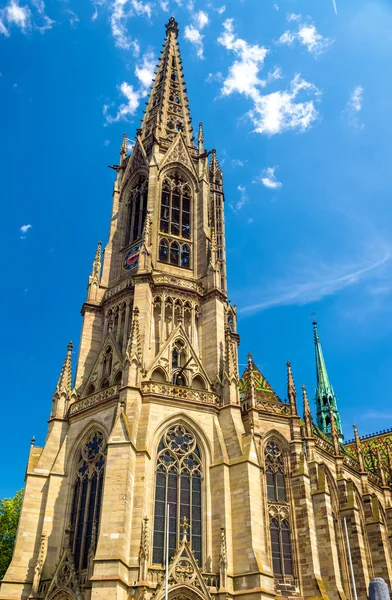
x,y
123,148
167,111
96,270
334,432
65,380
252,384
358,448
325,396
291,391
215,170
200,139
307,413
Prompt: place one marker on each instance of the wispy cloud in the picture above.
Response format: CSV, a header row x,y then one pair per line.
x,y
193,34
144,72
73,18
316,280
307,35
243,199
268,179
236,162
24,229
121,12
354,107
271,113
15,15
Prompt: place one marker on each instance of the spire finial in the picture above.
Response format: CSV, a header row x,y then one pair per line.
x,y
32,441
291,391
200,138
358,448
123,148
185,527
307,413
65,379
334,431
172,25
96,269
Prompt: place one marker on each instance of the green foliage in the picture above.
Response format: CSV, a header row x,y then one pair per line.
x,y
9,518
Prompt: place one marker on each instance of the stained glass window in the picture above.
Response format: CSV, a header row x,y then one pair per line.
x,y
178,484
176,207
282,560
87,498
137,210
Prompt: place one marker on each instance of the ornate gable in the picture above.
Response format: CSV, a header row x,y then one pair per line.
x,y
163,361
253,377
185,577
137,159
98,371
65,582
178,153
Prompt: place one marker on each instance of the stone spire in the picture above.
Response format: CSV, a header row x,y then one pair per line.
x,y
358,448
307,413
64,383
325,396
334,432
95,275
291,391
216,176
167,110
123,149
200,139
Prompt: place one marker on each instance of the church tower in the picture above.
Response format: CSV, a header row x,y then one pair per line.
x,y
158,451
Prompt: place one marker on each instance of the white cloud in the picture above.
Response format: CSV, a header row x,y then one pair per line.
x,y
268,179
130,144
221,9
243,73
17,15
214,77
194,36
236,162
142,8
121,11
24,229
320,280
3,29
242,200
354,107
192,32
201,19
164,5
307,35
282,111
126,109
144,72
271,113
72,17
106,143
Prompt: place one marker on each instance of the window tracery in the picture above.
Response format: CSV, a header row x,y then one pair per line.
x,y
178,483
137,210
282,559
175,216
87,498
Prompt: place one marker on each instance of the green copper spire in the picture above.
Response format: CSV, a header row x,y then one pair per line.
x,y
325,396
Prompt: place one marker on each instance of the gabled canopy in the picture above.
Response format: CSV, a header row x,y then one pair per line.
x,y
252,376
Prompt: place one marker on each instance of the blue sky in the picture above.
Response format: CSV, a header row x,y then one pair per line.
x,y
296,100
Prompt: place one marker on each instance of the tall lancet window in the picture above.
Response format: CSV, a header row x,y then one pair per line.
x,y
178,484
87,498
278,508
137,210
175,221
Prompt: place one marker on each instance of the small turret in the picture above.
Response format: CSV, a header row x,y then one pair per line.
x,y
358,448
200,139
291,391
63,389
307,413
216,177
95,275
123,149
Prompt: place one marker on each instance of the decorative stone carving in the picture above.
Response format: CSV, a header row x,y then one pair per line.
x,y
144,551
222,560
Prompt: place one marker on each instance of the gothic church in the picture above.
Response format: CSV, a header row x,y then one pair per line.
x,y
263,502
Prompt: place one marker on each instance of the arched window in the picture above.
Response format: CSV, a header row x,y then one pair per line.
x,y
176,207
185,256
282,560
137,210
178,484
87,498
174,253
107,361
274,468
164,250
